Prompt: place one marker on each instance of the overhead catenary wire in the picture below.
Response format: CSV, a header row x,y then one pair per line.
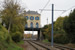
x,y
66,10
45,6
51,10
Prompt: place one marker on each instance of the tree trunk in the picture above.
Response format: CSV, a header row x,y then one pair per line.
x,y
9,27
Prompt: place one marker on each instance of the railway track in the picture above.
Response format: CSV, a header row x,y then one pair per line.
x,y
61,47
46,46
38,46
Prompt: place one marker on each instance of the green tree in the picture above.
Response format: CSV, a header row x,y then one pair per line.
x,y
17,36
11,13
13,17
69,26
58,26
59,33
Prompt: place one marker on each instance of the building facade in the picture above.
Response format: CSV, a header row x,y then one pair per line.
x,y
33,19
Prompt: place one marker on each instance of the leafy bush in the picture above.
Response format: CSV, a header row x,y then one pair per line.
x,y
17,36
11,46
69,26
59,38
4,34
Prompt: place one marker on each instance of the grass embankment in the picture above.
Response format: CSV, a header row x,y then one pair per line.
x,y
11,46
6,42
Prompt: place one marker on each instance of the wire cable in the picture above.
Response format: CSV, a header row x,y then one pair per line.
x,y
45,6
66,10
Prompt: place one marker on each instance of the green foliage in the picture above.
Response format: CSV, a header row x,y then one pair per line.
x,y
60,38
59,33
45,27
4,34
46,32
58,26
14,21
21,42
46,41
11,46
14,28
17,36
69,26
5,40
18,25
13,17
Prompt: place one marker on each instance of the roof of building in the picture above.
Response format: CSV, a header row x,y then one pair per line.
x,y
32,12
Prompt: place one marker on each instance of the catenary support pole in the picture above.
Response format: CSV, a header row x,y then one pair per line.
x,y
52,25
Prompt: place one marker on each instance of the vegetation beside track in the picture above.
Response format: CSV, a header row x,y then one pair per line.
x,y
12,26
64,30
6,42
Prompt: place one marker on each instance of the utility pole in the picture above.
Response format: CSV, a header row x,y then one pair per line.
x,y
52,25
52,20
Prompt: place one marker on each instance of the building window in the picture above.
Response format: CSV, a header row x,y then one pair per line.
x,y
37,25
37,18
26,17
31,24
31,18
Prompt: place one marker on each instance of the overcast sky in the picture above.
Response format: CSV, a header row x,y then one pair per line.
x,y
35,5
